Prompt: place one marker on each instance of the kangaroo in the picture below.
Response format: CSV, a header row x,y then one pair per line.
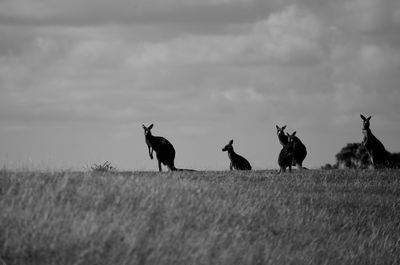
x,y
237,162
377,152
283,139
285,158
299,150
165,151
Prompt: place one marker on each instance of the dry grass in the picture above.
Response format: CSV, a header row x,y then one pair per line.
x,y
310,217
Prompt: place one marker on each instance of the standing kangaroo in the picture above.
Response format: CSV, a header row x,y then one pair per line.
x,y
377,152
285,158
238,162
283,139
165,151
299,150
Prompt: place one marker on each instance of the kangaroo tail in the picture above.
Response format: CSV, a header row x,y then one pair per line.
x,y
173,168
184,169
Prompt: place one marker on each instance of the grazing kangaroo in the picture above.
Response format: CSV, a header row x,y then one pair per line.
x,y
299,150
237,162
283,139
378,154
165,151
285,158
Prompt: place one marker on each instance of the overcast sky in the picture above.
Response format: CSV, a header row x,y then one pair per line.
x,y
79,78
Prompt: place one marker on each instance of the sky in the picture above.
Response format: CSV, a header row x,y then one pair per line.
x,y
79,78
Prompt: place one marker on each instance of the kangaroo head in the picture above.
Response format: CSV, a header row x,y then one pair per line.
x,y
365,121
147,130
291,137
228,147
280,131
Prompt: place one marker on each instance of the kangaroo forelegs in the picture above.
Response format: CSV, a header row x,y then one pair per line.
x,y
150,152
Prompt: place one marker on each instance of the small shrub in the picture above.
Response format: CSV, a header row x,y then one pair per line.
x,y
101,168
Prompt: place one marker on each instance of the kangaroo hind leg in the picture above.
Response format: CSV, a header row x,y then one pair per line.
x,y
159,166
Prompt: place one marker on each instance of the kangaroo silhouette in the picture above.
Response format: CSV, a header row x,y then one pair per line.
x,y
285,158
165,151
377,153
238,162
283,139
299,150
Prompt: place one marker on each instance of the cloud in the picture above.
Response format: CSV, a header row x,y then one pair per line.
x,y
289,37
84,72
23,12
367,82
372,15
288,34
238,95
309,64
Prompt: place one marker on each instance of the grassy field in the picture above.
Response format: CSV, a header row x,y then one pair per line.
x,y
309,217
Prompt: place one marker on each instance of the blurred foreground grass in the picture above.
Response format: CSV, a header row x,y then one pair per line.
x,y
309,217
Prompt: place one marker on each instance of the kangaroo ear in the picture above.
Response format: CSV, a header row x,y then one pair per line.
x,y
277,127
144,127
151,126
362,117
283,127
368,118
231,141
294,133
